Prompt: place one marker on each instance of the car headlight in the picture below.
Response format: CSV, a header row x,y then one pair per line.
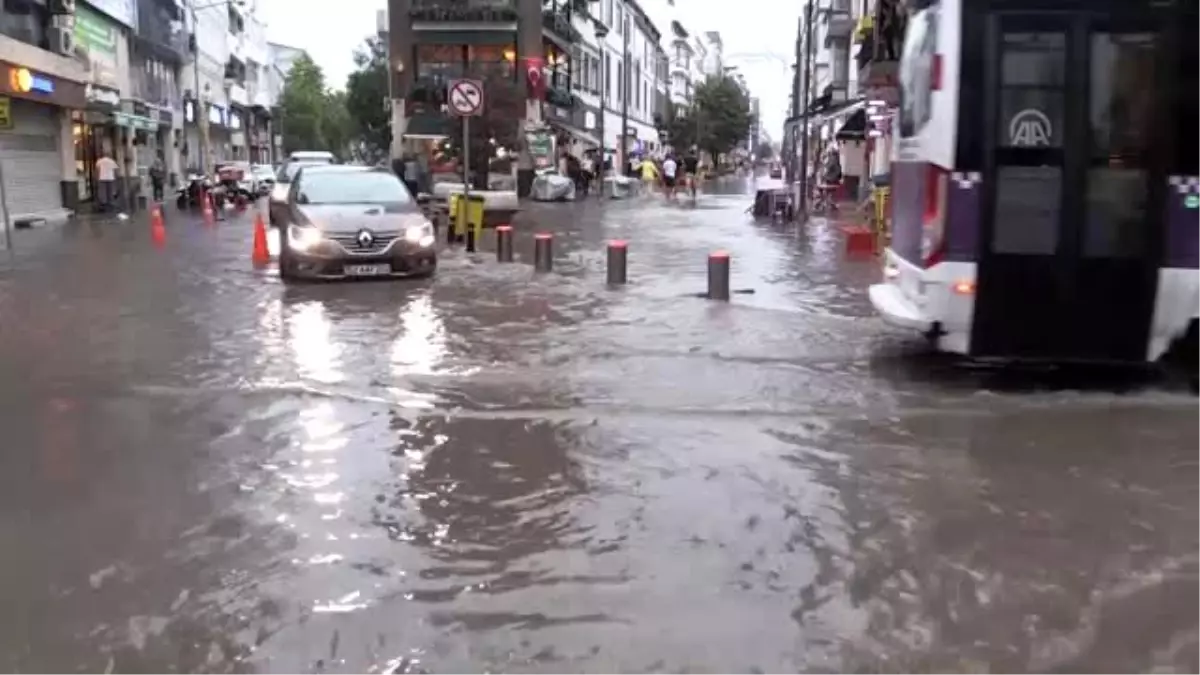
x,y
303,238
421,235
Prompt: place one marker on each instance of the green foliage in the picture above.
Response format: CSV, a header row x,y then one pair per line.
x,y
764,151
367,103
680,125
312,117
721,109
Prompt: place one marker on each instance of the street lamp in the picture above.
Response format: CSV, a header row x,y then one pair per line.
x,y
601,34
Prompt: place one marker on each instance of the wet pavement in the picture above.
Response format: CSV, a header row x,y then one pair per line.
x,y
205,470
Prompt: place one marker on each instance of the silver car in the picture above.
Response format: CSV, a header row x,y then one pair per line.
x,y
353,221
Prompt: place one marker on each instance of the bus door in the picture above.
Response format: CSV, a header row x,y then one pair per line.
x,y
1071,223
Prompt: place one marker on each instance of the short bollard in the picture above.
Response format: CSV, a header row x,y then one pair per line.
x,y
504,244
718,276
618,258
543,252
470,239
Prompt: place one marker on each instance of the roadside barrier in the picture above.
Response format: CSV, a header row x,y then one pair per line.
x,y
504,243
618,259
543,252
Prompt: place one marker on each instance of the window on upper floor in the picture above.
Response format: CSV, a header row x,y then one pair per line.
x,y
24,21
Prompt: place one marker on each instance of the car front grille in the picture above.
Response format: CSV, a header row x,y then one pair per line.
x,y
351,244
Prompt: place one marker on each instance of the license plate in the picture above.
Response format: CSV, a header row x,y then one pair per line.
x,y
367,270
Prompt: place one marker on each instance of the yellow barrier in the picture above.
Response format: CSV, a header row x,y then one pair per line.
x,y
466,213
881,196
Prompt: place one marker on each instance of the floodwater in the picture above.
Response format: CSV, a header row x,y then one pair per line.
x,y
205,470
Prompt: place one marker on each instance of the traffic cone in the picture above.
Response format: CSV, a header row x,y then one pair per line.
x,y
158,231
206,204
261,255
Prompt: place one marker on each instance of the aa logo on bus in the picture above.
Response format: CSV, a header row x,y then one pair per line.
x,y
1030,128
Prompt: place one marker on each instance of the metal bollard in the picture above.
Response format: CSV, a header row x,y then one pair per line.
x,y
470,239
618,258
718,276
504,244
543,252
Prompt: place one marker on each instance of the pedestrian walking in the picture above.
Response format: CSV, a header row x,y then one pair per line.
x,y
157,178
669,170
587,172
106,178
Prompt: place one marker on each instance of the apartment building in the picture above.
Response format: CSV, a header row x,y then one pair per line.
x,y
229,54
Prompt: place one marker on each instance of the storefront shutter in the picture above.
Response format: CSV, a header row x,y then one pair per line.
x,y
29,152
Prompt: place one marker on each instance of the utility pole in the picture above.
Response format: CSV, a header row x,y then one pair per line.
x,y
625,90
802,207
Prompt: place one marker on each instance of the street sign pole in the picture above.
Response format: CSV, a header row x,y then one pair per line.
x,y
466,101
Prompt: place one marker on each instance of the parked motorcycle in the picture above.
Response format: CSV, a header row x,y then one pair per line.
x,y
189,195
236,187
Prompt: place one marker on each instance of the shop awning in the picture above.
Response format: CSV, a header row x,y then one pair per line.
x,y
579,134
855,126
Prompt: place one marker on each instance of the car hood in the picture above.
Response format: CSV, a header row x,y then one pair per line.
x,y
349,218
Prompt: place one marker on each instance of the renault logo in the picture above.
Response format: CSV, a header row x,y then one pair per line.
x,y
365,238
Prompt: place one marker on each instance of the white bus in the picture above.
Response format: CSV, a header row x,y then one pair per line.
x,y
1044,179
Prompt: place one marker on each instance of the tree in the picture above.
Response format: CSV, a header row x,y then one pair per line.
x,y
680,125
366,104
722,111
302,106
336,126
764,151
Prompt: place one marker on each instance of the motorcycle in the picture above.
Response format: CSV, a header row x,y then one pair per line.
x,y
190,194
233,186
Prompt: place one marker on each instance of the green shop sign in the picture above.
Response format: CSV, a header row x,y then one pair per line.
x,y
95,32
135,122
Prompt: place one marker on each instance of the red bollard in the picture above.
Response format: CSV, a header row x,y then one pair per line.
x,y
618,262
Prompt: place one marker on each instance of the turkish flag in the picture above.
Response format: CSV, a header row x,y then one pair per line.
x,y
535,79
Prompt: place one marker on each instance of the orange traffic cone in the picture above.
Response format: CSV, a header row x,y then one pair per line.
x,y
261,254
206,203
158,231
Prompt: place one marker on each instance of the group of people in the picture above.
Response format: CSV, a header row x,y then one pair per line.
x,y
670,173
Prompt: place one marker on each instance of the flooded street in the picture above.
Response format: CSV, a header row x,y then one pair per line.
x,y
205,470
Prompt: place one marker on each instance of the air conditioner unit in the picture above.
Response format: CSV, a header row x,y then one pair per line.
x,y
62,41
61,6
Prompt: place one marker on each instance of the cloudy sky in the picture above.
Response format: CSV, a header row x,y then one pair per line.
x,y
759,38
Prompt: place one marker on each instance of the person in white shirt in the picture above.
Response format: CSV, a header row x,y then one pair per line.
x,y
669,170
106,179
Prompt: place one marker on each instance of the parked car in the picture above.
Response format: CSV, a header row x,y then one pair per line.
x,y
263,179
277,205
353,221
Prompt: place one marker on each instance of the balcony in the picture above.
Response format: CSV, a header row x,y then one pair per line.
x,y
557,26
680,67
160,30
880,39
839,22
464,11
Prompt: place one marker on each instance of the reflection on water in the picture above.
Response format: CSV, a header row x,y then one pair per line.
x,y
317,357
422,342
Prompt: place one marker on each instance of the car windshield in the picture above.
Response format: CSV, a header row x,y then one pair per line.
x,y
288,171
353,187
264,171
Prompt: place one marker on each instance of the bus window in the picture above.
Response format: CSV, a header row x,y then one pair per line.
x,y
1122,105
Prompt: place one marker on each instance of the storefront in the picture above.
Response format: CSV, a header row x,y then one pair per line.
x,y
94,135
35,141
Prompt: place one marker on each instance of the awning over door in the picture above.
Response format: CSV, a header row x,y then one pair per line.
x,y
579,134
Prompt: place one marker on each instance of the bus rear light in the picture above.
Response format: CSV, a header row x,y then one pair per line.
x,y
933,219
964,287
935,73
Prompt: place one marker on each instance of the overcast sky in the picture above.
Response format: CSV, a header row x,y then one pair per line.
x,y
752,31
